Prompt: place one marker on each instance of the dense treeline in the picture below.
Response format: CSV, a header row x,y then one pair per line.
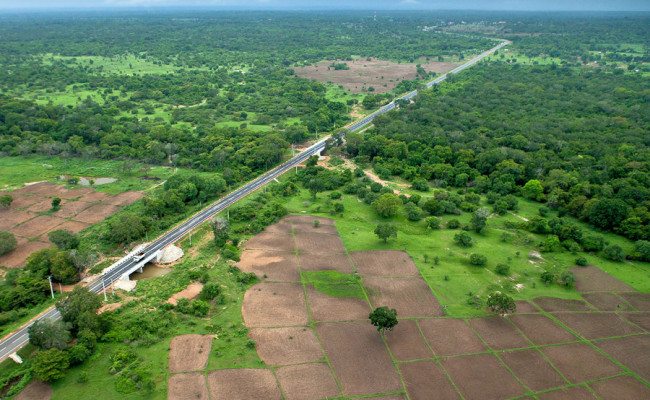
x,y
580,135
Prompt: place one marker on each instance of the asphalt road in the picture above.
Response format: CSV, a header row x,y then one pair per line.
x,y
20,337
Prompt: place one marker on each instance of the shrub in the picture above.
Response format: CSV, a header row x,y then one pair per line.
x,y
568,278
7,242
477,259
614,253
453,224
335,195
463,239
548,277
502,269
581,261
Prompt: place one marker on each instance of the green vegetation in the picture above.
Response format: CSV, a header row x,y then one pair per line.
x,y
334,283
384,319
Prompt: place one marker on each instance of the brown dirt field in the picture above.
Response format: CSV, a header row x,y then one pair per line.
x,y
640,301
406,342
498,333
275,304
384,263
524,307
285,346
71,208
621,388
105,307
359,358
73,226
325,262
189,353
18,256
595,325
641,319
94,197
389,397
309,228
375,73
270,241
532,369
36,390
593,279
574,393
235,384
73,193
482,377
41,206
579,362
41,188
280,227
9,219
21,201
96,213
541,330
318,243
277,266
192,291
606,301
411,297
307,382
187,387
633,352
425,380
36,226
327,308
551,304
308,219
124,199
450,337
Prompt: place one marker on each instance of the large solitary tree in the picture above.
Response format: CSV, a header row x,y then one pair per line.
x,y
7,242
384,319
49,334
501,303
385,231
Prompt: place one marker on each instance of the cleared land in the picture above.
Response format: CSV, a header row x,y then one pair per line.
x,y
425,380
498,333
189,353
621,388
275,304
593,279
271,241
326,262
532,369
270,265
450,337
579,362
328,308
411,297
595,326
406,342
359,358
384,263
541,330
607,301
318,243
632,351
36,390
307,382
551,304
187,387
640,301
285,346
379,74
243,384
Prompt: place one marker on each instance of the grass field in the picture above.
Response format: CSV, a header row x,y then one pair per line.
x,y
126,64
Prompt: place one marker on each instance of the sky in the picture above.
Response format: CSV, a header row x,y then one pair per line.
x,y
519,5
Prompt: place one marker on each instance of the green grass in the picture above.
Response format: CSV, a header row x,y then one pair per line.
x,y
30,313
127,64
15,171
334,283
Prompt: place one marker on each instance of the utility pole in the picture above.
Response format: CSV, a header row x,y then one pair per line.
x,y
190,239
49,278
104,290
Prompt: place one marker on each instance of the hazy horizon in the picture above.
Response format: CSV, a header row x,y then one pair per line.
x,y
493,5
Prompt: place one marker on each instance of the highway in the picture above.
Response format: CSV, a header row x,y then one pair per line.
x,y
20,337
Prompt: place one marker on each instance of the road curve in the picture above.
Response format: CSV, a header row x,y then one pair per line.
x,y
20,337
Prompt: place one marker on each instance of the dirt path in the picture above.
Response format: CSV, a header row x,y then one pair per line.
x,y
377,179
193,105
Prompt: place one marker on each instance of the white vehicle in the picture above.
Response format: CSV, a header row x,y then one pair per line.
x,y
139,256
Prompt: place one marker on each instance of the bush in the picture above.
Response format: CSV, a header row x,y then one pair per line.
x,y
477,259
581,261
614,253
568,278
548,277
420,185
50,365
463,239
453,224
335,195
64,239
210,291
502,269
7,242
413,212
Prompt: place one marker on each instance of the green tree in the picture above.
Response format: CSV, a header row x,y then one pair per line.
x,y
210,291
56,203
5,201
220,228
78,303
434,207
64,239
384,319
641,250
501,303
502,269
463,239
432,222
614,253
533,190
607,213
387,205
568,278
49,333
62,268
50,365
413,212
479,219
385,231
477,259
7,242
125,229
315,186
